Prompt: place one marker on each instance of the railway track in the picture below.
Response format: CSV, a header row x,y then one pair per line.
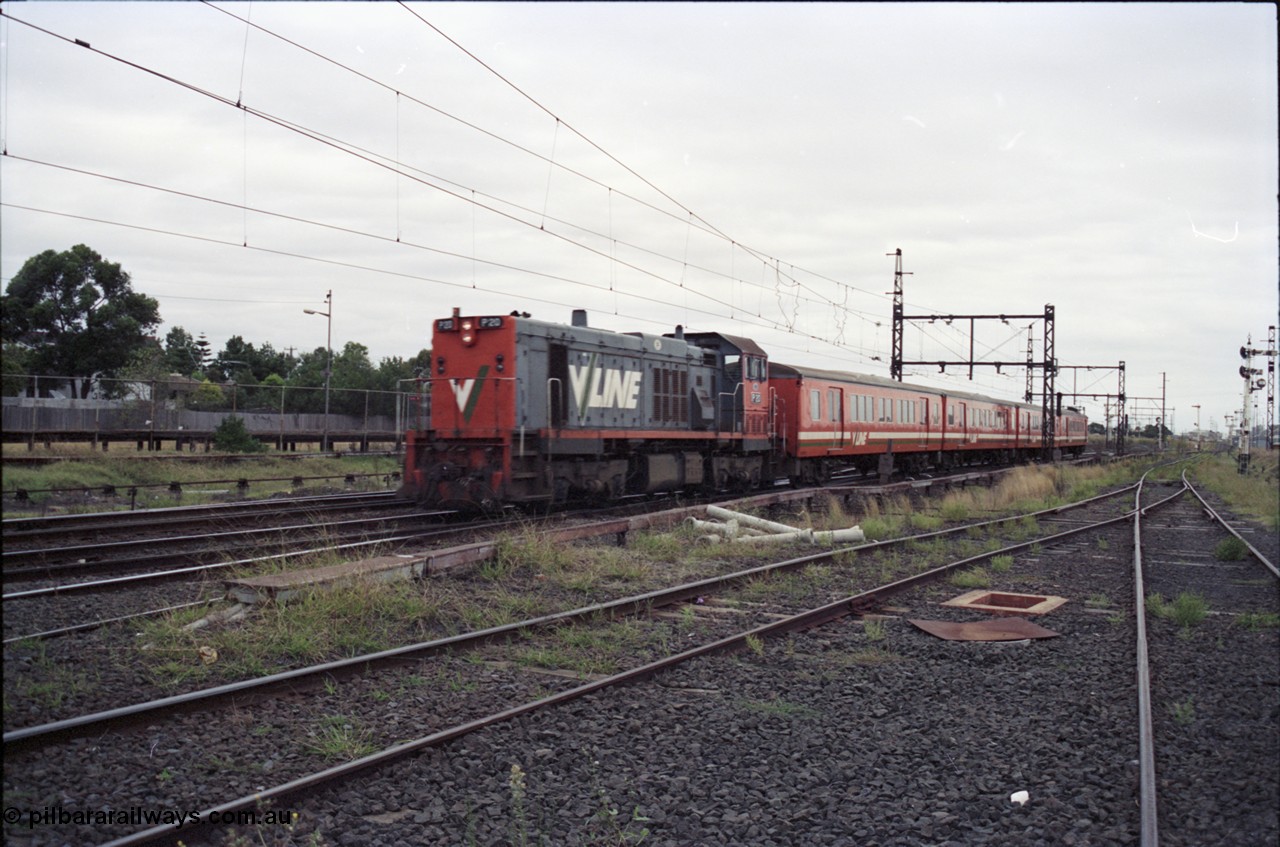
x,y
32,531
435,700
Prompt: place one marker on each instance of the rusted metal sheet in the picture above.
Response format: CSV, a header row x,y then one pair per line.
x,y
996,629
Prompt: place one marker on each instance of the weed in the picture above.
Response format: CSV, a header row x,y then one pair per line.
x,y
612,826
1098,601
871,656
1184,712
878,529
341,738
926,523
519,818
54,683
972,578
778,707
1002,564
1103,544
1254,621
874,628
956,507
1189,609
1230,550
755,644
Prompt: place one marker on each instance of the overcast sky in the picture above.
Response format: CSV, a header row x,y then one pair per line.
x,y
735,167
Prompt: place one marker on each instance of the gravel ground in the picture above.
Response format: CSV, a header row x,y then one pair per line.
x,y
839,737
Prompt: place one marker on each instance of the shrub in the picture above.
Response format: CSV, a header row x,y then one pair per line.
x,y
1230,550
232,436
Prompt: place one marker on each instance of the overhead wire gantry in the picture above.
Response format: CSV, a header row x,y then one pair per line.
x,y
1048,365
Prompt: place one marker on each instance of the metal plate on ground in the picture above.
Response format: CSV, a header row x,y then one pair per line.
x,y
997,629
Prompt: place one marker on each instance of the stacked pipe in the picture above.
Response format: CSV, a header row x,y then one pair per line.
x,y
736,526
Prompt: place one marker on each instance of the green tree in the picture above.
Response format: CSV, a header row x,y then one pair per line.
x,y
208,396
77,314
181,355
14,364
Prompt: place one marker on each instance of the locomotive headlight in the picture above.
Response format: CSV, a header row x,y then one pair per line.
x,y
468,333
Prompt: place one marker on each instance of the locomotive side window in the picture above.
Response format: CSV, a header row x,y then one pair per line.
x,y
733,368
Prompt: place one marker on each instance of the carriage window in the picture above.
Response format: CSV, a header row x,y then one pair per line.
x,y
833,403
815,405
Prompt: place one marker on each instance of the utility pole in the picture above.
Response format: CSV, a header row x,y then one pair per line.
x,y
1160,423
328,370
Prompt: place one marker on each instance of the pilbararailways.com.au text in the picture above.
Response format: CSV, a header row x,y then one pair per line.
x,y
143,816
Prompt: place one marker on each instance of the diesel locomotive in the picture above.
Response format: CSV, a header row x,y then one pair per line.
x,y
524,411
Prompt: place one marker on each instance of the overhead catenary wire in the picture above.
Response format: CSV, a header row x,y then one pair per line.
x,y
376,160
788,276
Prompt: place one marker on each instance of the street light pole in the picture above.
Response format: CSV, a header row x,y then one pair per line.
x,y
328,371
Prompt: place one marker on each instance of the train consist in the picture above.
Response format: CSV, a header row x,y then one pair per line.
x,y
525,411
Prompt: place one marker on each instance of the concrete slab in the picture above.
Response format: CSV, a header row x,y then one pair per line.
x,y
1006,603
287,586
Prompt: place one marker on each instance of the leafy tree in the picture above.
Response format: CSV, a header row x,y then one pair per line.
x,y
77,314
14,364
207,396
181,354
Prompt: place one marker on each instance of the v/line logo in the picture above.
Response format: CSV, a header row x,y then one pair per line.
x,y
467,391
593,388
603,388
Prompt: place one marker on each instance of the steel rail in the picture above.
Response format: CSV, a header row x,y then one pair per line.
x,y
15,561
1149,828
100,522
89,520
98,624
853,604
119,582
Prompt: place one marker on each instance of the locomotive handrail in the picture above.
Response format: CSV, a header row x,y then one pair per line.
x,y
734,418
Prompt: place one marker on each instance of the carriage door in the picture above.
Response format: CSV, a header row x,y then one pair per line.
x,y
836,417
922,423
